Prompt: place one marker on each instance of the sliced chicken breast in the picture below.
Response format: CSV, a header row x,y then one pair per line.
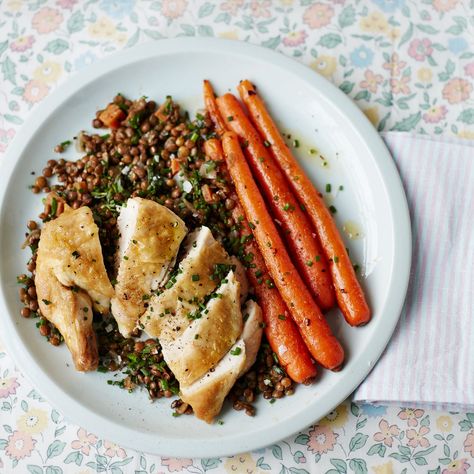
x,y
150,237
193,281
240,273
208,338
71,280
252,333
207,394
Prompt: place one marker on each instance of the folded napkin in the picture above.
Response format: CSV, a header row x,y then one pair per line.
x,y
430,358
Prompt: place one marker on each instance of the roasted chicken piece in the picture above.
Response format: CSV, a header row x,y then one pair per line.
x,y
207,394
252,332
150,237
71,280
196,277
210,335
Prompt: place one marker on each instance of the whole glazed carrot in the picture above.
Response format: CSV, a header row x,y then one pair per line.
x,y
317,335
280,329
295,225
349,293
211,107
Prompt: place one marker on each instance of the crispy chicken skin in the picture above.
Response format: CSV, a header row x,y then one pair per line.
x,y
71,280
150,237
193,282
207,339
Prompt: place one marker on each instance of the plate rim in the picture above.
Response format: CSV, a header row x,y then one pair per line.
x,y
109,429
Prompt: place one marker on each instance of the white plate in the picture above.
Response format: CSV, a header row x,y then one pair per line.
x,y
316,113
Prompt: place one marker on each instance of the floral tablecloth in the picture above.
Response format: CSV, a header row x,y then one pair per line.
x,y
409,64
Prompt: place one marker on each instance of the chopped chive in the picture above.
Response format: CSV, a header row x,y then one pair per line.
x,y
296,143
282,317
230,118
309,263
236,351
332,209
195,277
266,143
328,187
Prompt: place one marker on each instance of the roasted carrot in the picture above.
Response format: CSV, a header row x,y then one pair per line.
x,y
213,149
280,329
175,166
112,116
349,294
294,223
317,335
211,107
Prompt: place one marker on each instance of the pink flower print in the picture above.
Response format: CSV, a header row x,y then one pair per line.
x,y
372,81
321,439
175,464
417,438
260,8
22,43
173,9
69,4
295,38
400,86
395,66
411,415
47,20
20,445
8,386
459,466
420,49
443,6
386,433
469,443
435,114
318,15
84,442
35,91
112,450
232,6
469,69
457,90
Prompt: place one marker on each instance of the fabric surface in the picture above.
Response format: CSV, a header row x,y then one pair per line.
x,y
408,64
429,359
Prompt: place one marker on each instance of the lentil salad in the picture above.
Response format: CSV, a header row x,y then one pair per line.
x,y
140,158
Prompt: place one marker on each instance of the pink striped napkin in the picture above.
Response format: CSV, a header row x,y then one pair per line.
x,y
430,359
